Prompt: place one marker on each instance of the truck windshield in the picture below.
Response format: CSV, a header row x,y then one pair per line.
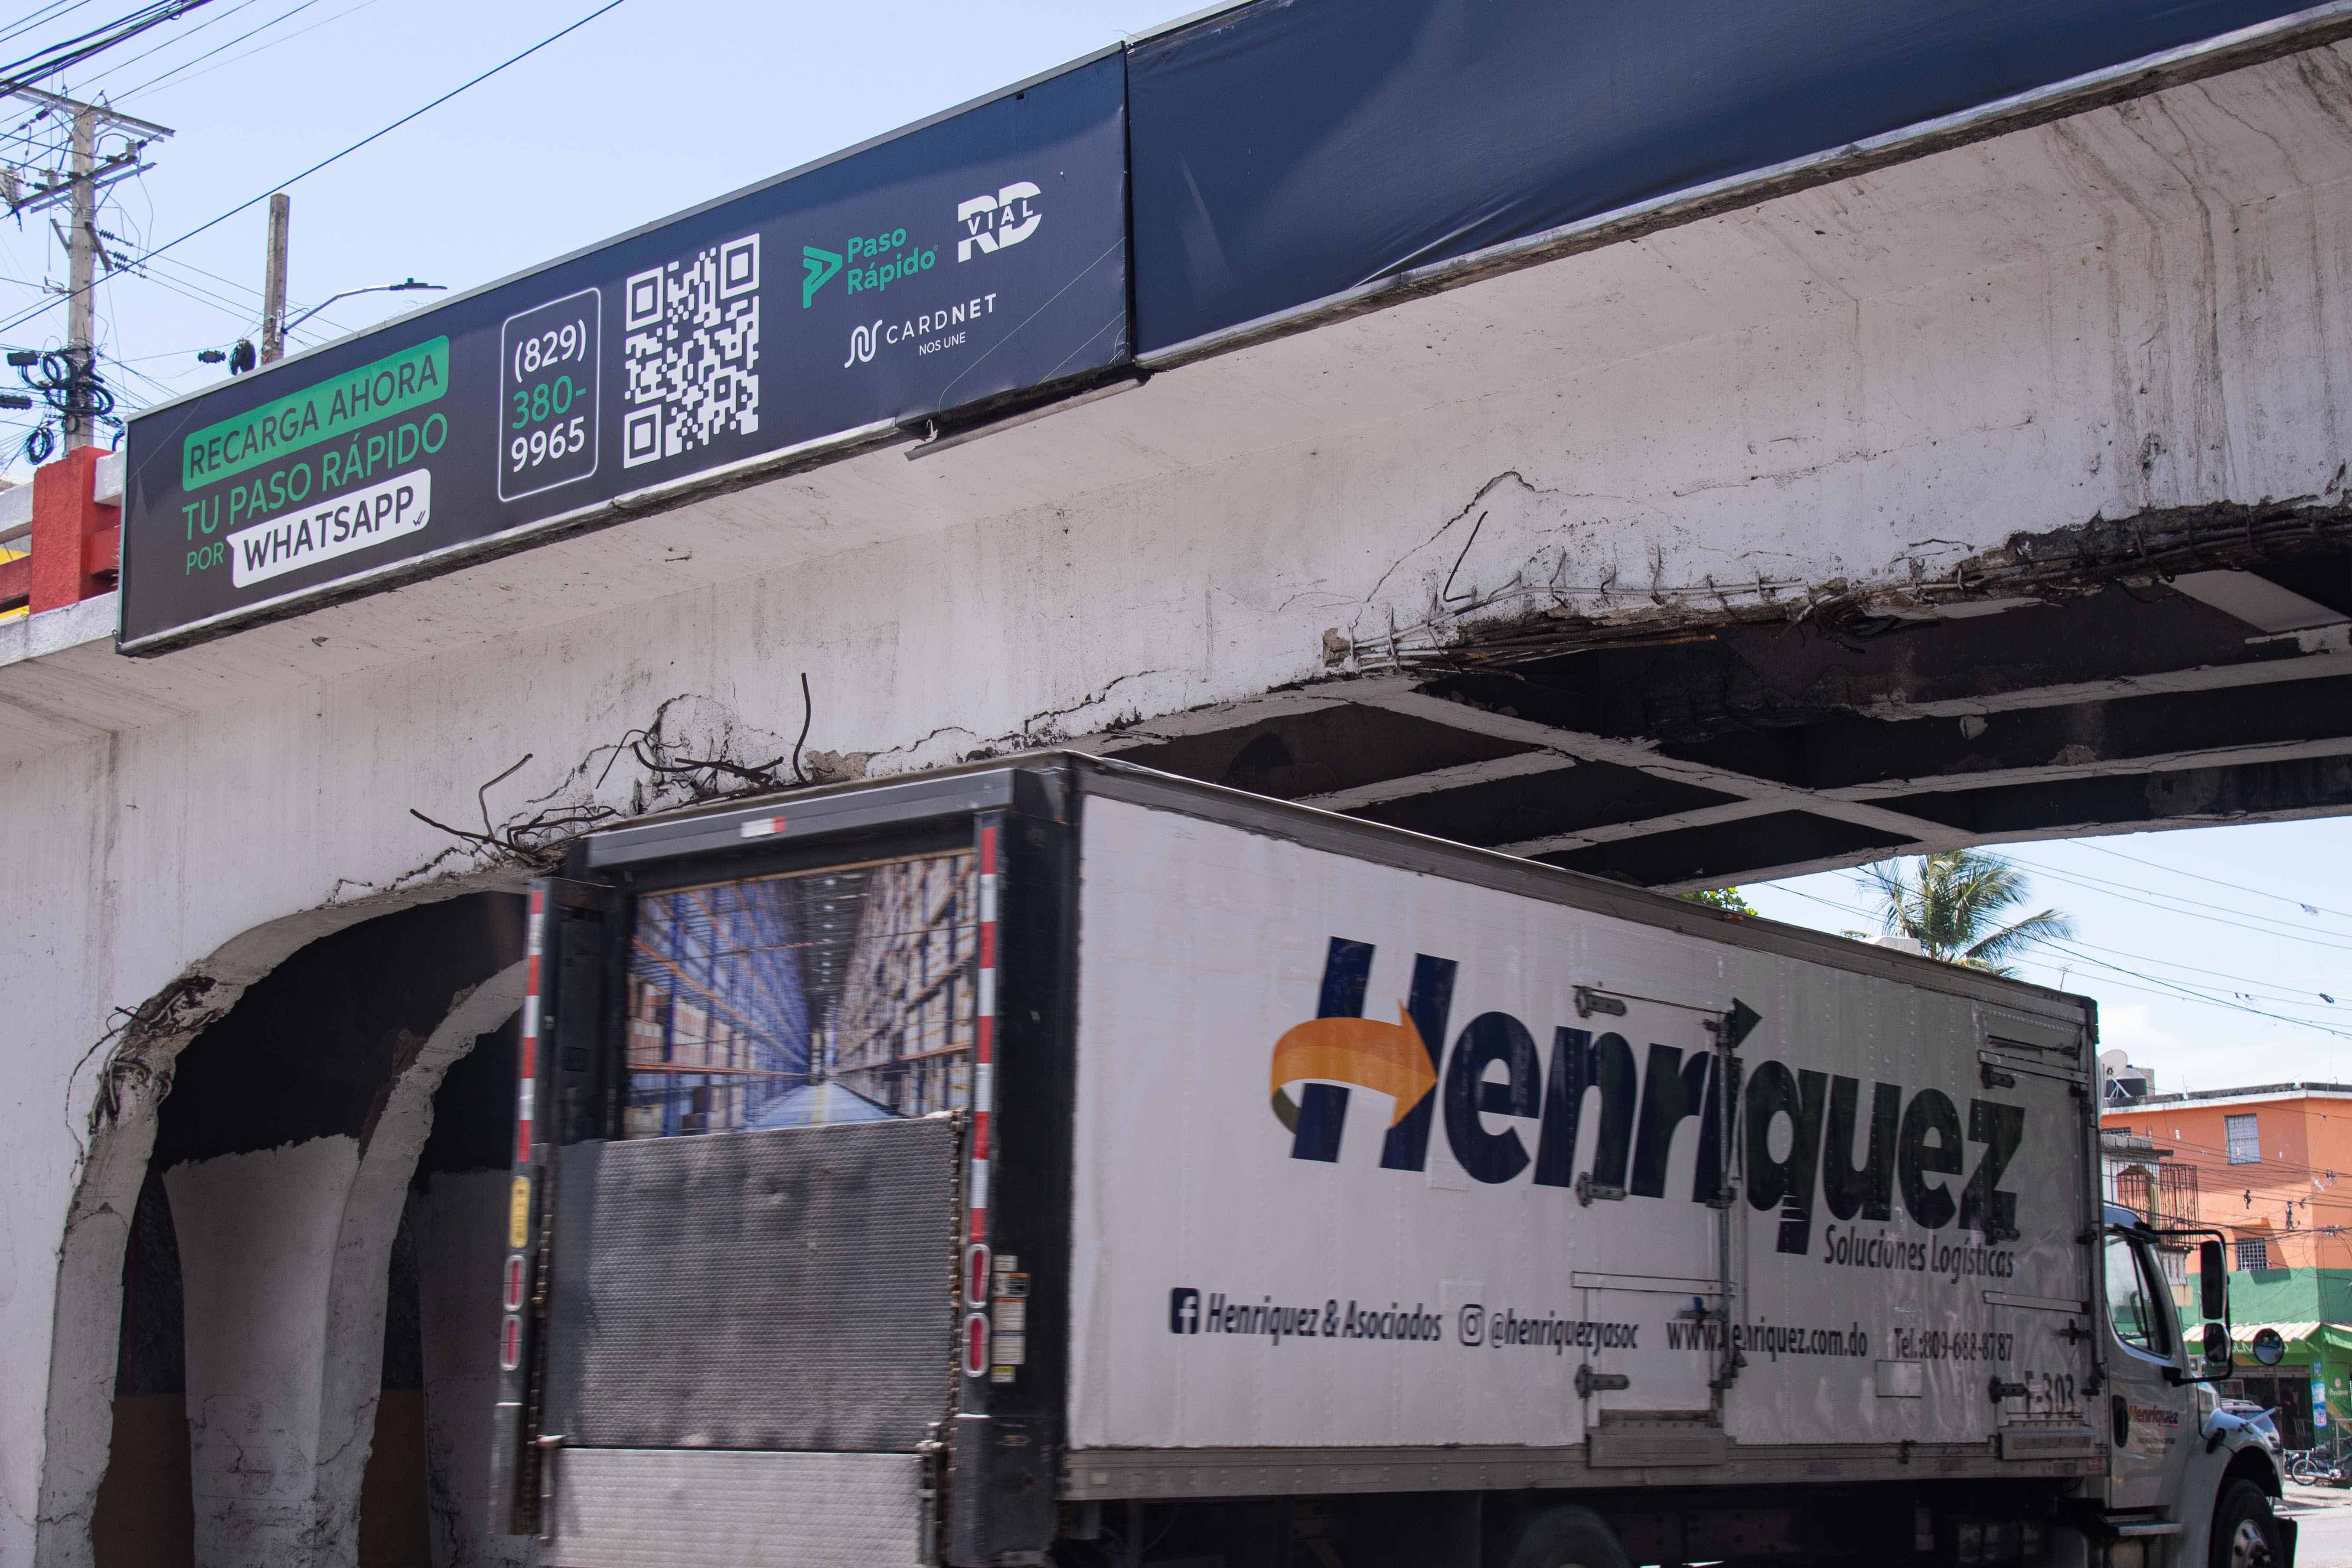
x,y
842,995
2139,1312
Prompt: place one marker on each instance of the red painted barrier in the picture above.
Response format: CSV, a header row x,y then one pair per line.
x,y
75,542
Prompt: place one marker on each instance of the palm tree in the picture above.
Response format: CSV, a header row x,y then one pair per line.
x,y
1953,904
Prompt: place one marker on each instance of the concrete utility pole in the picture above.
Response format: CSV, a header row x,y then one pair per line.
x,y
273,281
81,276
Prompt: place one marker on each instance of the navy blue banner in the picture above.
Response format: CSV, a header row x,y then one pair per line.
x,y
1286,153
979,255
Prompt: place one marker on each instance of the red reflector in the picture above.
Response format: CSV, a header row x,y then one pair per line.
x,y
975,1288
514,1283
976,1345
511,1344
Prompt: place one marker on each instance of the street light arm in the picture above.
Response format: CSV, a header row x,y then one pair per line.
x,y
401,287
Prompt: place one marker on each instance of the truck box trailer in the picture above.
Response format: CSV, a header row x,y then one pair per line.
x,y
1059,1161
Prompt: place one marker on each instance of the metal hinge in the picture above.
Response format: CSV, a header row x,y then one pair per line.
x,y
1588,1190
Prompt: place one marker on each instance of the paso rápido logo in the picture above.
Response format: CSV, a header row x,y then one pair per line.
x,y
1853,1159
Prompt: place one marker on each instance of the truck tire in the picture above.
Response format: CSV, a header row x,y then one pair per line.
x,y
2245,1535
1571,1538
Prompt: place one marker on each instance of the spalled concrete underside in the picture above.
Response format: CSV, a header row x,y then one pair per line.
x,y
1765,543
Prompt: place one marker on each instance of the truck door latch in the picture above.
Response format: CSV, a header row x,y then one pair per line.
x,y
1589,1383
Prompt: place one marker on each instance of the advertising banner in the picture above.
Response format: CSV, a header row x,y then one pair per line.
x,y
979,253
1367,1157
1288,152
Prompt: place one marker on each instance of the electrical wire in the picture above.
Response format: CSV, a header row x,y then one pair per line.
x,y
2090,883
212,20
2166,990
22,317
49,12
2288,993
195,59
64,54
2304,905
162,83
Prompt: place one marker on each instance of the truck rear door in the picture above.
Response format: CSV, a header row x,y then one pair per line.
x,y
744,1331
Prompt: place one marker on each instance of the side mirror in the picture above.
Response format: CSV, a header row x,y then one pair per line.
x,y
2212,1280
2217,1344
2268,1348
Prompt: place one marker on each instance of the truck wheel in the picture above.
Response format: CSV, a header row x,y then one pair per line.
x,y
1572,1538
2244,1533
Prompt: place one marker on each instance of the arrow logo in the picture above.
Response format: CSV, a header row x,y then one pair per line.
x,y
1387,1059
819,264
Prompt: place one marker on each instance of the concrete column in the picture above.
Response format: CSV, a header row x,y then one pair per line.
x,y
258,1235
284,1255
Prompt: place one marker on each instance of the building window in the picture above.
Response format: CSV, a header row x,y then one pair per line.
x,y
2253,1254
2245,1140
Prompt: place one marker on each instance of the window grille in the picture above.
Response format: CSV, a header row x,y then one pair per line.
x,y
2245,1140
2254,1254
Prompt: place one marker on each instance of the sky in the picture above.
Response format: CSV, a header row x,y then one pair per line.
x,y
2204,963
2212,952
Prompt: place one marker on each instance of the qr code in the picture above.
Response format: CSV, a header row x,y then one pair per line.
x,y
693,351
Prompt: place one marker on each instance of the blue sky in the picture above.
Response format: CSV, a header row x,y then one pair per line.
x,y
2197,943
660,105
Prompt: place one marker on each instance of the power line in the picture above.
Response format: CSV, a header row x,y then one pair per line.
x,y
44,63
2278,986
22,317
49,12
213,20
2166,990
261,48
2304,905
2089,883
194,59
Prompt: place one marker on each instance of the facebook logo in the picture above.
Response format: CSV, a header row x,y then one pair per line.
x,y
1183,1311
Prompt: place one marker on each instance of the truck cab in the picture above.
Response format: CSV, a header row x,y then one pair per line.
x,y
2188,1483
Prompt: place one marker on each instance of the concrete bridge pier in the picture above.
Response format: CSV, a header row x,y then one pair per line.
x,y
287,1150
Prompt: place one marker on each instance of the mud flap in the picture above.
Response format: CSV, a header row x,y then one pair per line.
x,y
1001,1489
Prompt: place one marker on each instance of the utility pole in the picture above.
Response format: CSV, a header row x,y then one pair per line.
x,y
273,281
82,397
81,341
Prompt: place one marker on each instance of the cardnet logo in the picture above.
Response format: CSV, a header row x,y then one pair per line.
x,y
1498,1096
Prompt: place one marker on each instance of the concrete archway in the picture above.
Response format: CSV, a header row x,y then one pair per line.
x,y
284,1106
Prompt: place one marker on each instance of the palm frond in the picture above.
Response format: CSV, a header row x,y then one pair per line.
x,y
1953,903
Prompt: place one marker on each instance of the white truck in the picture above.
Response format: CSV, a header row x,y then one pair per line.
x,y
1054,1161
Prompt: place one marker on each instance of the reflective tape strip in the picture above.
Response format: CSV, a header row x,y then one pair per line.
x,y
514,1283
984,1055
976,1345
524,1096
510,1343
975,1273
765,828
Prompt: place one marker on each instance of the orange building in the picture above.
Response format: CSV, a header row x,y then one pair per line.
x,y
2271,1165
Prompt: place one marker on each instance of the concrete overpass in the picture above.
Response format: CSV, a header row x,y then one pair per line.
x,y
1977,486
